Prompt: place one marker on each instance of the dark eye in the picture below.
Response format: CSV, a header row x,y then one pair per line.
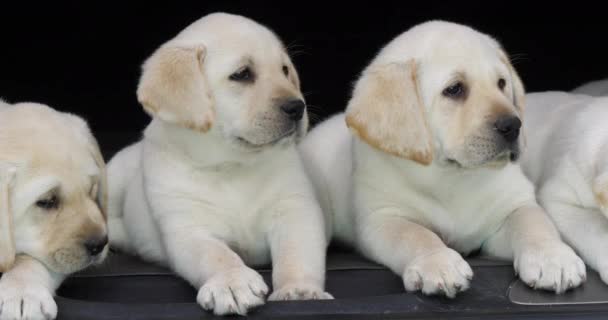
x,y
243,75
454,91
49,203
285,70
501,83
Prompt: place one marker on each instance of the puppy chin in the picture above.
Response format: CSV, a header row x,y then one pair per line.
x,y
290,137
484,160
70,260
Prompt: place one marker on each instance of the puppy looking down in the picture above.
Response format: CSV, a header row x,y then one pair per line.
x,y
568,162
52,206
430,173
217,184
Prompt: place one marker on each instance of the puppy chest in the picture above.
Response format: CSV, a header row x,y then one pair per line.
x,y
462,223
464,233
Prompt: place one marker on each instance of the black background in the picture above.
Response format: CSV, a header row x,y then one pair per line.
x,y
85,57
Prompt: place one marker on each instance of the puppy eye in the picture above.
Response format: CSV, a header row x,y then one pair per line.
x,y
242,75
285,70
49,203
501,83
454,91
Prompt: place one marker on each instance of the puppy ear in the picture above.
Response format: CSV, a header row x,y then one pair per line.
x,y
102,188
386,112
88,141
518,92
7,240
174,89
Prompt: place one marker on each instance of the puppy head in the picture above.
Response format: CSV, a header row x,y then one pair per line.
x,y
440,91
228,75
58,196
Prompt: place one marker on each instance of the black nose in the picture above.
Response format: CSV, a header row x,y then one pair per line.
x,y
294,109
508,127
95,246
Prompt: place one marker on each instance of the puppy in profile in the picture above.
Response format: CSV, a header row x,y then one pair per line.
x,y
567,159
52,206
217,184
431,172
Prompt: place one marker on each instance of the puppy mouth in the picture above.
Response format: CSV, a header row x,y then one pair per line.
x,y
253,145
507,155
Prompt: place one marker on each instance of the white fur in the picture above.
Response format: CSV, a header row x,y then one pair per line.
x,y
593,88
568,162
209,207
413,218
26,291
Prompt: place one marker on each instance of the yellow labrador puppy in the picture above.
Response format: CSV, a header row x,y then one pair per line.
x,y
217,184
431,172
52,206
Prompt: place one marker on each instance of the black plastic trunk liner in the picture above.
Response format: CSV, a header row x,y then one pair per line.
x,y
126,288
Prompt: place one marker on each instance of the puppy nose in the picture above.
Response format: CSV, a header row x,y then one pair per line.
x,y
294,109
95,246
508,127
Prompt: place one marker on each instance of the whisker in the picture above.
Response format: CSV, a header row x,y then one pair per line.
x,y
314,108
307,93
514,58
295,50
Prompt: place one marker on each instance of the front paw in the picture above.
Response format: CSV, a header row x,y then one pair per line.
x,y
234,291
550,266
21,300
299,291
441,272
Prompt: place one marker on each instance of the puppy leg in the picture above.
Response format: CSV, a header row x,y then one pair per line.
x,y
26,291
600,190
122,170
227,285
541,259
586,229
413,251
298,248
7,243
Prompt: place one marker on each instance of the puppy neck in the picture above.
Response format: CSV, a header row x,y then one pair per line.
x,y
203,149
425,177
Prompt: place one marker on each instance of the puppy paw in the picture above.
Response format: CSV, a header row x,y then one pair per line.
x,y
550,266
442,272
20,301
299,291
233,291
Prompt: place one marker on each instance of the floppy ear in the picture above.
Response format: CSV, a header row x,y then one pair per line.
x,y
174,89
518,92
387,113
7,242
102,188
88,141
